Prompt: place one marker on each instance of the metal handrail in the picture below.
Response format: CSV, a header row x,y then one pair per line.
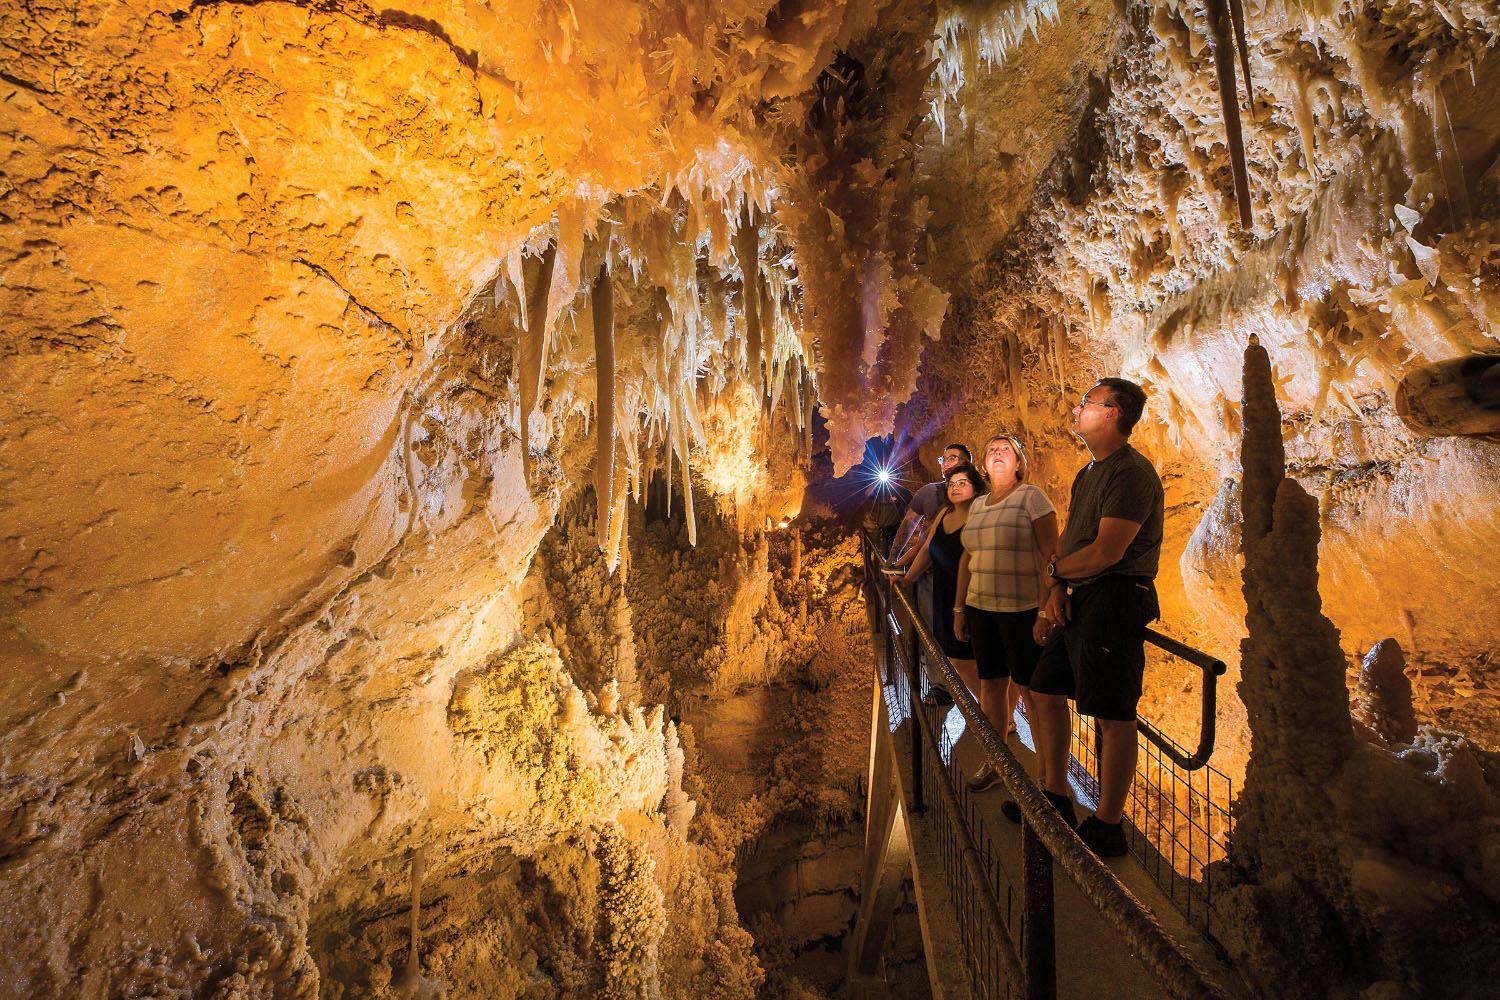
x,y
1213,669
1172,967
968,850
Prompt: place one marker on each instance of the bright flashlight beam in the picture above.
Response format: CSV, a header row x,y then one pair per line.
x,y
883,476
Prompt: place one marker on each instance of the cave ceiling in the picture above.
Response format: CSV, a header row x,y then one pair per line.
x,y
318,317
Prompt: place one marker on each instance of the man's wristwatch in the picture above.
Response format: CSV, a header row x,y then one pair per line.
x,y
1052,572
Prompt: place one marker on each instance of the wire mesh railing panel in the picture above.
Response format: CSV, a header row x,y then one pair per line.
x,y
995,892
1178,820
979,934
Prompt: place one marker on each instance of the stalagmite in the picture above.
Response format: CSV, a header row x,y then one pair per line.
x,y
535,339
1382,695
1223,42
604,402
1293,672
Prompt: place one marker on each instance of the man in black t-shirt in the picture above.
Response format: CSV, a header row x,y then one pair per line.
x,y
1107,559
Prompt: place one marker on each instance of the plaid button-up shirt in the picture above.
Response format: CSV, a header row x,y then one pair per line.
x,y
1002,550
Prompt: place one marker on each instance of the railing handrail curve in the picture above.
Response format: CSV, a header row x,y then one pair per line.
x,y
1213,668
1166,960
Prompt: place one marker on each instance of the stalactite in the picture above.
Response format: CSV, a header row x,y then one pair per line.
x,y
1448,159
669,446
615,547
1057,331
768,351
569,254
747,249
769,331
807,426
412,981
793,376
1171,185
514,283
1237,17
536,338
1020,393
1307,125
1220,31
604,401
681,446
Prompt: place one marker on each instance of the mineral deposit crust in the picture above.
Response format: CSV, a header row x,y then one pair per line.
x,y
304,563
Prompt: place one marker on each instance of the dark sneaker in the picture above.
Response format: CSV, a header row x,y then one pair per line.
x,y
1062,803
937,697
1105,839
984,778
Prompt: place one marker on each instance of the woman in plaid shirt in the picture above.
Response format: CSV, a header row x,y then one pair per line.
x,y
1010,536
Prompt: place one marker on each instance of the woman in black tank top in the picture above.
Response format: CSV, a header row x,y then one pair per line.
x,y
942,552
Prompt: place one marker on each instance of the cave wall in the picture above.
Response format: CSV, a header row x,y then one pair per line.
x,y
280,601
1085,226
268,522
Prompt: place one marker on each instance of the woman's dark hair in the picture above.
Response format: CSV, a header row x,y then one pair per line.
x,y
975,480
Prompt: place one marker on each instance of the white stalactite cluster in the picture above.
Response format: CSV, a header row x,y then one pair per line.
x,y
648,294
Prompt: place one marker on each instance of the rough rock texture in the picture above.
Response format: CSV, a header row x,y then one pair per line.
x,y
1383,854
1084,225
300,398
1382,695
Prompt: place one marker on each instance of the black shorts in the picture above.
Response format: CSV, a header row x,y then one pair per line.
x,y
1099,659
1002,643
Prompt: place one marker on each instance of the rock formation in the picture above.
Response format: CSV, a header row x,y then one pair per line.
x,y
1378,850
398,405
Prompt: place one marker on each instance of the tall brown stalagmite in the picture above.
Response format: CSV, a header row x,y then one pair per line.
x,y
1292,685
1343,844
1293,668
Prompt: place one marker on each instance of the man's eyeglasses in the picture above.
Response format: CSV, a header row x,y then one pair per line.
x,y
1085,401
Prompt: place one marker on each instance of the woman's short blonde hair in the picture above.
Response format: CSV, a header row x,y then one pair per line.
x,y
1016,446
